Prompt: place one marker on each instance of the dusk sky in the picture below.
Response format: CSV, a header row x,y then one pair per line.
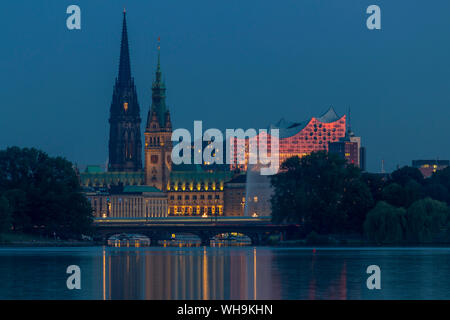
x,y
232,64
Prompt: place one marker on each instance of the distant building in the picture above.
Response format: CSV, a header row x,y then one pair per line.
x,y
350,148
193,191
234,196
428,167
362,159
300,138
131,202
347,150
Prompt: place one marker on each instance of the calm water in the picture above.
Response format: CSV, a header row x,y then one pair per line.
x,y
224,273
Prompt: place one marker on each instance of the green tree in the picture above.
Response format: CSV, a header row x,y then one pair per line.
x,y
17,199
5,214
425,219
376,183
356,202
402,195
440,178
319,191
436,191
44,193
384,223
405,174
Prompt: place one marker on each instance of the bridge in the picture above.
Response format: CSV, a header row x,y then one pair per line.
x,y
257,229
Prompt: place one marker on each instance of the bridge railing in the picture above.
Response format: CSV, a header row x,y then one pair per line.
x,y
184,219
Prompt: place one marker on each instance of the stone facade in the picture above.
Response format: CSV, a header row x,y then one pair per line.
x,y
133,202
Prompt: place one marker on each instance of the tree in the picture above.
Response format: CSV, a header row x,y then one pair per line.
x,y
436,191
405,174
439,178
442,177
44,193
384,223
319,191
376,183
402,195
357,201
5,214
425,219
17,199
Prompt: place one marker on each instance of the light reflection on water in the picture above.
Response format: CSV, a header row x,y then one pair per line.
x,y
224,273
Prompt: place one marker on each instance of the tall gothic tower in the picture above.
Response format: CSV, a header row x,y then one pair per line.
x,y
158,144
125,146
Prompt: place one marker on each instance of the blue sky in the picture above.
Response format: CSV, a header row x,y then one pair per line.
x,y
231,64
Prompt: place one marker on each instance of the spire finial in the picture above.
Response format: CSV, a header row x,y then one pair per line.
x,y
124,65
124,10
158,92
159,50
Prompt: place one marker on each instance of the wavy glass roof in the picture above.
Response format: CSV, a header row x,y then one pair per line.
x,y
289,128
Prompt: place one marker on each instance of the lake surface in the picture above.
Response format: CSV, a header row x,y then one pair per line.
x,y
224,273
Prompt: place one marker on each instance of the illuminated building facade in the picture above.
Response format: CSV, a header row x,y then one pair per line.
x,y
300,138
132,202
428,167
195,192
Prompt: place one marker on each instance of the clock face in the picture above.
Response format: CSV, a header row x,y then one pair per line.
x,y
154,159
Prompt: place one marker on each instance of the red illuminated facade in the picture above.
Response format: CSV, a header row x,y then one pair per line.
x,y
300,139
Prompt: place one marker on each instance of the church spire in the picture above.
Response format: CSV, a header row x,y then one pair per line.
x,y
158,67
158,73
124,65
158,94
125,121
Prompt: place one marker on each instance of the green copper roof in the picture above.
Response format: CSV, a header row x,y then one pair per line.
x,y
138,189
93,177
159,94
93,169
200,176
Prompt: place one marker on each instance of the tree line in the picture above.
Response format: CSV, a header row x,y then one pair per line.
x,y
328,196
40,194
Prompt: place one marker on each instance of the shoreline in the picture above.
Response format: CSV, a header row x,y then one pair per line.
x,y
83,244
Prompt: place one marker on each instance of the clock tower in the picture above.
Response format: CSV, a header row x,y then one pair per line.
x,y
158,133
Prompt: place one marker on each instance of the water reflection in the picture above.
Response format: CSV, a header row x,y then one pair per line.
x,y
200,273
224,273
